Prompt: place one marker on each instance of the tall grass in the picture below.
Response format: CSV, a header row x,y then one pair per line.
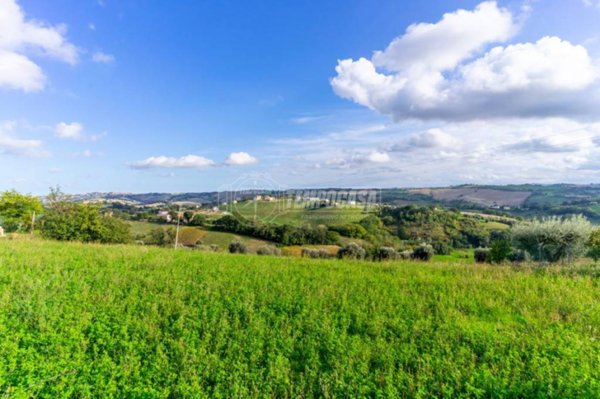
x,y
119,321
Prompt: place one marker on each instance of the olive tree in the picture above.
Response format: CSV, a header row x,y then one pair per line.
x,y
553,239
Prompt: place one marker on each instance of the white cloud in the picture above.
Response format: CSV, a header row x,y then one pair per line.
x,y
303,120
240,158
9,144
19,38
591,3
69,130
432,138
437,71
184,162
378,157
103,58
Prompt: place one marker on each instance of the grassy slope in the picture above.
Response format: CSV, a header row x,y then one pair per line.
x,y
86,320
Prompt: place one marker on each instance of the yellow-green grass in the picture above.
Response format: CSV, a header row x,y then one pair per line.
x,y
191,235
132,321
285,212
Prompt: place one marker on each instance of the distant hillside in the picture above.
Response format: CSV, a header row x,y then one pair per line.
x,y
517,200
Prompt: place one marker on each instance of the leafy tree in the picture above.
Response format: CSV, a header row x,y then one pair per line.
x,y
352,251
16,210
386,253
423,252
482,255
161,237
237,247
500,250
66,220
594,245
198,220
553,239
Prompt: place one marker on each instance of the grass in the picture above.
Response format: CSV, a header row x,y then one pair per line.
x,y
206,237
122,321
281,212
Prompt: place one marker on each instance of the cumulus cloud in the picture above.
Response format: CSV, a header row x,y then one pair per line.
x,y
184,162
438,71
9,144
103,58
69,130
240,158
21,37
358,158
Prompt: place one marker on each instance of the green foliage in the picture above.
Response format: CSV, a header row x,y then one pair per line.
x,y
482,255
65,220
315,253
161,237
129,322
553,239
444,229
423,252
198,220
594,245
268,250
352,251
237,247
16,210
385,253
283,234
500,250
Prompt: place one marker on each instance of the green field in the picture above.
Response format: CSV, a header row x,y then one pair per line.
x,y
121,321
281,212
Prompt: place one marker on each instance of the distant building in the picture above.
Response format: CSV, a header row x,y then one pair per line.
x,y
165,216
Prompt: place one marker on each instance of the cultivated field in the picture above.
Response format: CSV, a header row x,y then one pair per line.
x,y
121,321
476,195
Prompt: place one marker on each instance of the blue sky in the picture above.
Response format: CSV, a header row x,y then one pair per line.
x,y
154,96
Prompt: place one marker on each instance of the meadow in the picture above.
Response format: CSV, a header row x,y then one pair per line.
x,y
131,321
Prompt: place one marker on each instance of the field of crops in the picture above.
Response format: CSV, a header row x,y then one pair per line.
x,y
121,321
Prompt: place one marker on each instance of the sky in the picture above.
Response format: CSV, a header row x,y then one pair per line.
x,y
188,96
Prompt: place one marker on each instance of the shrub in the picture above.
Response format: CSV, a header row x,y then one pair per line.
x,y
237,247
423,252
268,250
500,250
386,253
594,245
482,255
197,220
16,210
310,253
406,254
352,251
161,237
553,239
519,256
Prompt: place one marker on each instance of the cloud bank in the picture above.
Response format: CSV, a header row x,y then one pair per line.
x,y
442,71
19,39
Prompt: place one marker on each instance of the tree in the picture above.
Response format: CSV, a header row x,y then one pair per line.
x,y
198,220
594,245
16,210
423,252
237,247
352,251
553,239
500,250
66,220
481,255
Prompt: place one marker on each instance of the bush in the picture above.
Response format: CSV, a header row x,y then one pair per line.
x,y
198,220
554,239
482,255
500,250
405,255
161,237
237,247
268,250
16,210
423,252
518,256
65,220
352,251
594,245
386,253
315,253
